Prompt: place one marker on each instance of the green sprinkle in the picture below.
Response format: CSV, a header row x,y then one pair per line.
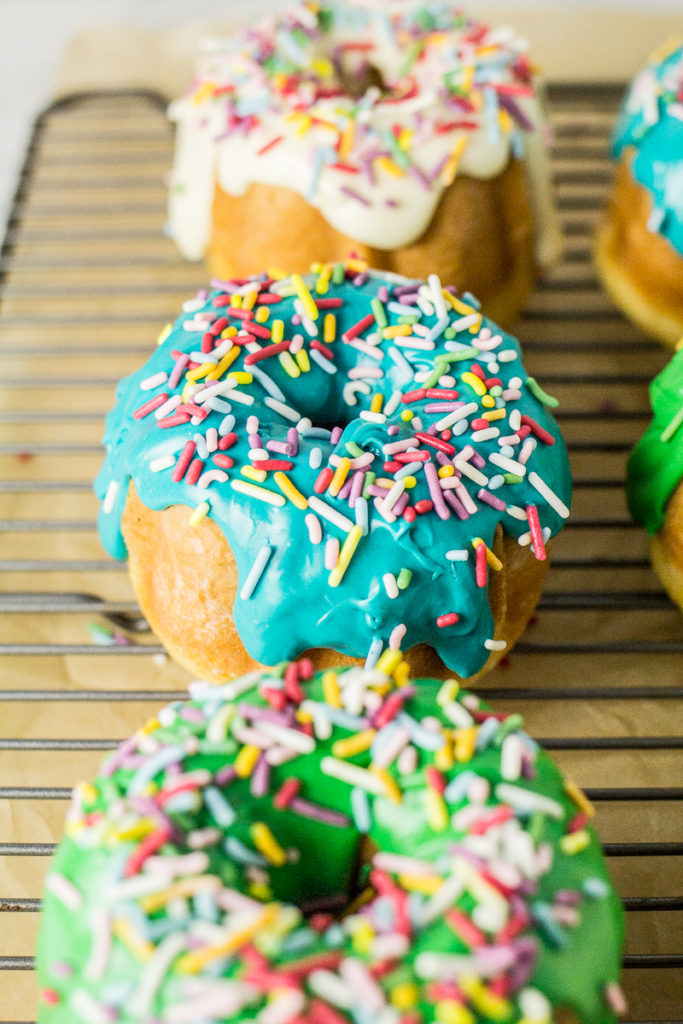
x,y
412,55
380,315
455,357
496,391
538,392
450,333
354,450
512,478
508,725
399,155
537,826
407,318
338,273
672,427
370,478
433,377
403,579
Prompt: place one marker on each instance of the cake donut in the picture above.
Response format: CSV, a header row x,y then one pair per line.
x,y
654,478
640,243
407,134
325,850
333,462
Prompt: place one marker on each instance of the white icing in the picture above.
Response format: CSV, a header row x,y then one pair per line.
x,y
385,211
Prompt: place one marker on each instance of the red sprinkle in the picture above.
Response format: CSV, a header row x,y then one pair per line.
x,y
175,421
219,325
389,709
207,341
259,330
496,817
464,928
148,407
358,328
227,441
266,353
409,514
50,996
481,569
391,467
195,471
449,619
414,396
446,393
536,533
149,845
538,430
327,352
423,506
276,698
407,457
435,779
268,299
291,680
224,461
324,477
184,460
269,145
269,464
479,424
436,442
286,793
329,303
476,369
322,1013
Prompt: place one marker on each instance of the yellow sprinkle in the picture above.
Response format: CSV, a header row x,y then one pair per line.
x,y
262,314
222,365
345,555
389,661
138,946
165,331
443,758
437,811
289,490
464,743
397,331
426,884
230,332
446,471
505,121
355,744
277,331
377,403
410,482
340,475
388,165
204,92
576,794
492,560
574,842
346,140
288,365
329,328
250,299
404,996
484,1000
362,939
448,691
199,371
303,361
245,760
407,415
258,475
236,301
384,481
260,493
494,414
193,962
488,401
240,376
389,782
476,383
450,169
331,689
359,266
450,1011
87,791
136,831
277,273
198,514
260,891
402,674
303,293
266,843
458,305
322,285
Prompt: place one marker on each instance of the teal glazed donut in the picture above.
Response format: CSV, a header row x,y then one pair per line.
x,y
359,439
336,849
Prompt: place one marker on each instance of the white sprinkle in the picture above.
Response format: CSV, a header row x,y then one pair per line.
x,y
394,494
260,493
534,1006
155,970
315,531
511,757
110,497
390,585
352,388
211,476
352,774
226,424
399,446
290,738
100,946
367,349
267,383
65,891
315,458
87,1008
154,381
323,362
526,800
411,341
457,555
440,902
256,572
467,470
509,465
488,434
329,513
495,645
284,410
407,760
398,864
213,1000
331,553
396,636
458,414
373,417
239,396
541,486
392,403
283,1007
508,355
362,518
330,987
167,408
517,513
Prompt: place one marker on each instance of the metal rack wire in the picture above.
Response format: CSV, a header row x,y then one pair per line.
x,y
85,278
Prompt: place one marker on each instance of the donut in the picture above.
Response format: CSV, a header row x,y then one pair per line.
x,y
332,849
639,248
407,134
333,462
654,478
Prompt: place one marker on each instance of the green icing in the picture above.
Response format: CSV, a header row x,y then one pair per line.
x,y
650,122
655,466
509,872
293,606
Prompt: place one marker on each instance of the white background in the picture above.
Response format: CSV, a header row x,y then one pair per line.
x,y
34,34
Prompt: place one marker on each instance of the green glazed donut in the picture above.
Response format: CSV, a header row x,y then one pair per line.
x,y
330,849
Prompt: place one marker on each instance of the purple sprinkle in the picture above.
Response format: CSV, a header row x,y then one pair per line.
x,y
307,809
477,460
383,293
255,713
352,194
335,435
393,430
345,489
293,440
568,897
356,487
491,500
260,777
420,177
400,506
360,279
281,447
513,108
435,491
225,775
457,506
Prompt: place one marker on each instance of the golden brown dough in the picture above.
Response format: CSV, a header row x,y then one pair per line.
x,y
481,237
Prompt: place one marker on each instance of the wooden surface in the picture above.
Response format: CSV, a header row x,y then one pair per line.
x,y
89,279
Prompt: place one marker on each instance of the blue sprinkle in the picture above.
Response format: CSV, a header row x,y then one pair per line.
x,y
374,652
218,806
456,790
153,765
595,888
360,809
421,737
236,849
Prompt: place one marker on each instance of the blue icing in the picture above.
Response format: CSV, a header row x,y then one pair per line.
x,y
293,606
651,121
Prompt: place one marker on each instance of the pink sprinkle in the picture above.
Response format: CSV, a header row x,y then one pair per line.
x,y
195,471
183,462
177,371
148,407
359,327
481,570
331,553
536,533
396,636
449,619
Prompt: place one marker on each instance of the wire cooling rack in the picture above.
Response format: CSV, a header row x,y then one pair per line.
x,y
87,279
